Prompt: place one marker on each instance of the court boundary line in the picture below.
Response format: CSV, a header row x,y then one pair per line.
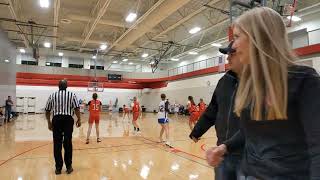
x,y
17,155
164,149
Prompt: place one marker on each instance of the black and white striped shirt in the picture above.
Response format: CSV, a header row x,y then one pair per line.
x,y
62,102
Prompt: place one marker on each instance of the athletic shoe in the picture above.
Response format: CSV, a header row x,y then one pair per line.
x,y
69,170
58,171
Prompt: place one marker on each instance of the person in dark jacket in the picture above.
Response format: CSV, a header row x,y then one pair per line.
x,y
9,105
220,114
277,101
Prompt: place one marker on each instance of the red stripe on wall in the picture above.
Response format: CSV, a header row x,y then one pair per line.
x,y
308,50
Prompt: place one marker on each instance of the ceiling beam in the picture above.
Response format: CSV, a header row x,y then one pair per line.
x,y
75,39
93,25
102,21
157,13
203,31
14,15
107,22
136,23
181,21
17,31
56,9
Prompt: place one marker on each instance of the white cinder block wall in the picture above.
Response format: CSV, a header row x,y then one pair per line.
x,y
41,93
316,63
176,91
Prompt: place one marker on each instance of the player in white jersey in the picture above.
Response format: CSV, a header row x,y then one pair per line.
x,y
163,119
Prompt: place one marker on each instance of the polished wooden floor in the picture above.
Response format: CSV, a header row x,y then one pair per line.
x,y
26,151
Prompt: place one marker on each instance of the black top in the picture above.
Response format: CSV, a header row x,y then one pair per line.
x,y
8,103
62,102
285,149
220,112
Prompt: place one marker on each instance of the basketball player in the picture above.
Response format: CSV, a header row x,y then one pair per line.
x,y
135,114
94,109
194,112
163,119
202,106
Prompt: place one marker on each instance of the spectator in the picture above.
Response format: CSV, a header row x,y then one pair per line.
x,y
9,105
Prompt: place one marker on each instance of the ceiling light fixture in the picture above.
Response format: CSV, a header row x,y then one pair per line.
x,y
294,18
145,55
103,46
47,44
94,57
216,44
22,50
125,60
115,62
194,30
131,17
193,53
130,63
60,53
44,3
48,64
174,59
6,60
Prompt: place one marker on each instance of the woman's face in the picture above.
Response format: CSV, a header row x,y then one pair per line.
x,y
241,45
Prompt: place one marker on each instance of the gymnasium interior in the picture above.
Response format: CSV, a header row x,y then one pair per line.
x,y
122,49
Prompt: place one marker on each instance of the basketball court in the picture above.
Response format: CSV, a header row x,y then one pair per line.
x,y
121,49
26,151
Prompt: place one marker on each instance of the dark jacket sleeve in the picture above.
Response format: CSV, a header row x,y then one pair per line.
x,y
235,142
166,106
310,117
207,119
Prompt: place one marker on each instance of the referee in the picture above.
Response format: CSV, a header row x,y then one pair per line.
x,y
63,103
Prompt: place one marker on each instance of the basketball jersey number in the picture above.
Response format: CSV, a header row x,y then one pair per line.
x,y
95,107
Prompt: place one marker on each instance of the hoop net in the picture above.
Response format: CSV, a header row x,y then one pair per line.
x,y
95,87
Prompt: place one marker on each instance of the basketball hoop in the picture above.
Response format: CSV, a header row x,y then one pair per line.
x,y
95,87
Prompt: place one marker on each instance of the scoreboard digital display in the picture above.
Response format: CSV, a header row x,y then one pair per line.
x,y
114,77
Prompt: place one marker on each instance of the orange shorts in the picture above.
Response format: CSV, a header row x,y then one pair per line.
x,y
94,118
135,116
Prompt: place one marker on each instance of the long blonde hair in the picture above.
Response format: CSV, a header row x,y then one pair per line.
x,y
264,82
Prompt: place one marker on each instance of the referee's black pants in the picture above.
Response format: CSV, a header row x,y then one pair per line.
x,y
62,133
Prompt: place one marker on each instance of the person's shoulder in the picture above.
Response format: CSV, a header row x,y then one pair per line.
x,y
54,93
300,71
71,92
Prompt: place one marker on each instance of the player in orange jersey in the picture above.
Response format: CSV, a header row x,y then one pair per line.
x,y
202,106
94,109
193,111
135,114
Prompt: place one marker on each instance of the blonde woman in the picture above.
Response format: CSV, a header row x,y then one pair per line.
x,y
277,101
